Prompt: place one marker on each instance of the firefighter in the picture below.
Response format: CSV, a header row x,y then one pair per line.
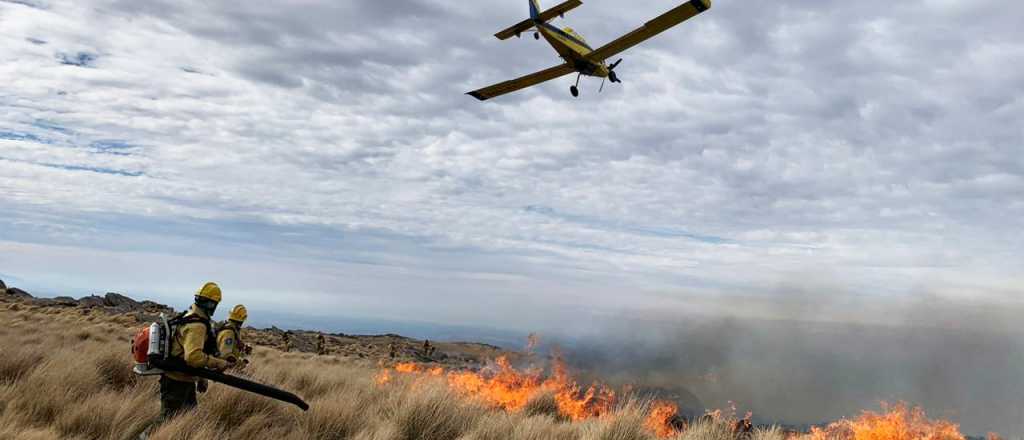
x,y
193,343
391,350
742,428
427,348
287,341
229,336
321,344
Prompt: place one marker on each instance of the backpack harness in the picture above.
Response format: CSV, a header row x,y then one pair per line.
x,y
151,347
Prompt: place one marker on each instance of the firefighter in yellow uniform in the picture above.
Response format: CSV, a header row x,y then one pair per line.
x,y
229,336
193,343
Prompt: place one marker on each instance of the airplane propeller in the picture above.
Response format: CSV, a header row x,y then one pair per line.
x,y
611,72
611,75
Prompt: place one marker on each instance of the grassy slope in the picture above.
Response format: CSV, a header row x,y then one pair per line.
x,y
64,374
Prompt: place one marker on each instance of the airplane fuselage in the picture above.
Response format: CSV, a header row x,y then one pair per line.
x,y
572,48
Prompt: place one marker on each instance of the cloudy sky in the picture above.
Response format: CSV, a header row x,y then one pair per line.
x,y
321,157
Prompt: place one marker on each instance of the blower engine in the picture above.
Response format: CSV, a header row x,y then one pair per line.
x,y
150,347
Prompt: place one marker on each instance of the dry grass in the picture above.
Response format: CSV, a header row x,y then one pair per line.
x,y
67,375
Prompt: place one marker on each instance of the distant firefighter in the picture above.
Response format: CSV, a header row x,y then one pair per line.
x,y
391,350
743,427
287,341
427,348
321,344
229,336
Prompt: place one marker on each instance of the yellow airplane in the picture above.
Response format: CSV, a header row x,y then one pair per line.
x,y
580,57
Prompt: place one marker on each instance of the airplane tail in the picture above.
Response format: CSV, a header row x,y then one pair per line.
x,y
537,15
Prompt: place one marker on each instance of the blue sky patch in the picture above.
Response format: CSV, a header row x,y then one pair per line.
x,y
51,126
19,136
100,170
114,147
29,3
80,59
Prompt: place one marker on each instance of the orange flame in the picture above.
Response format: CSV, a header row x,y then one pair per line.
x,y
660,419
383,377
896,422
503,386
407,367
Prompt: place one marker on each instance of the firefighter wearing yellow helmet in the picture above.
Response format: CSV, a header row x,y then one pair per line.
x,y
229,336
193,342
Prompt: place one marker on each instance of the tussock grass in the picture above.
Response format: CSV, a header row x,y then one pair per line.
x,y
628,425
19,360
543,404
707,430
67,375
772,433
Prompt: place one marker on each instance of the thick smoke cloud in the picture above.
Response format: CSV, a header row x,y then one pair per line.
x,y
820,360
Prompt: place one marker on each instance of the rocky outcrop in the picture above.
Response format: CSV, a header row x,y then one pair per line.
x,y
60,301
110,303
117,303
120,301
16,293
9,293
91,301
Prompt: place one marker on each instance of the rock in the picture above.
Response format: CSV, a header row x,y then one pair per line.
x,y
14,292
120,301
155,307
60,301
3,287
91,301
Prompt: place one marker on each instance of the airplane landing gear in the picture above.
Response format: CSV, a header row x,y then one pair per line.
x,y
536,35
575,91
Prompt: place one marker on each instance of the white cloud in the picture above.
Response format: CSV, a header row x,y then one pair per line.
x,y
751,145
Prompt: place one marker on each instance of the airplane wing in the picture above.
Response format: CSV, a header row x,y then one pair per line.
x,y
545,16
522,82
515,29
559,9
651,28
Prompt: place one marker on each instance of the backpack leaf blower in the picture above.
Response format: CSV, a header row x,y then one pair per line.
x,y
152,344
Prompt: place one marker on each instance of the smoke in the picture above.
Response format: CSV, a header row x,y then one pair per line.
x,y
796,359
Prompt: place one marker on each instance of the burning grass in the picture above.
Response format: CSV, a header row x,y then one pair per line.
x,y
532,392
895,422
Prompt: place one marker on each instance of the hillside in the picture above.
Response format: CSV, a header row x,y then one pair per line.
x,y
65,374
349,348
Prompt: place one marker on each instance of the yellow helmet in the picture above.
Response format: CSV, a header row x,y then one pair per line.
x,y
210,291
238,313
